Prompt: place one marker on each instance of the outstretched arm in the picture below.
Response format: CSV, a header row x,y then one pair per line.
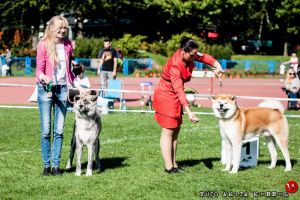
x,y
211,61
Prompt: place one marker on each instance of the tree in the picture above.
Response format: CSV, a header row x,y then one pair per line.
x,y
286,19
159,19
25,14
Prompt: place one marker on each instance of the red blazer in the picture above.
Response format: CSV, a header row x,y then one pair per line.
x,y
169,96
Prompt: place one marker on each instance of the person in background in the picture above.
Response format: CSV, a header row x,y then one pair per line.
x,y
81,79
282,71
292,85
170,100
294,61
108,63
54,76
8,60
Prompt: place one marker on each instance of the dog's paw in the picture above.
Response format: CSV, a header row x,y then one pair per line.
x,y
271,166
287,169
223,160
89,173
234,170
78,173
227,168
68,166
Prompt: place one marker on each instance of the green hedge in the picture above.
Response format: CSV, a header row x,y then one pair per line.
x,y
135,46
89,47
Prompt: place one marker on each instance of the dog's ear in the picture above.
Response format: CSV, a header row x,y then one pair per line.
x,y
94,97
71,94
213,97
93,92
232,98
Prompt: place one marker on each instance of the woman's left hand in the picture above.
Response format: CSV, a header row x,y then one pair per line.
x,y
217,68
193,118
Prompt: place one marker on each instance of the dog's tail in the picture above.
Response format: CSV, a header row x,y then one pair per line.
x,y
272,104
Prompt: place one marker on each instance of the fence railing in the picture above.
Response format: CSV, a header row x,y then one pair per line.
x,y
27,65
130,64
267,66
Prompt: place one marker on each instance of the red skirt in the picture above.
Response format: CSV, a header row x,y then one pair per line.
x,y
167,122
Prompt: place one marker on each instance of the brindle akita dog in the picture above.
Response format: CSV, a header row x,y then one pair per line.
x,y
87,129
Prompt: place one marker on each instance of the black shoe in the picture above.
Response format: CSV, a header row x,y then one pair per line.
x,y
169,171
56,171
174,170
178,170
47,171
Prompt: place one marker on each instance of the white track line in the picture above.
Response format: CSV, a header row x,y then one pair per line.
x,y
129,111
108,141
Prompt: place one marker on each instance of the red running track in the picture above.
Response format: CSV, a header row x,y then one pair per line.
x,y
18,95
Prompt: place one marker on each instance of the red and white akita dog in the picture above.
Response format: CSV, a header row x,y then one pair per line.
x,y
237,124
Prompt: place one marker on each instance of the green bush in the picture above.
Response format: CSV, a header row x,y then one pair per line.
x,y
219,51
130,45
174,43
158,47
158,59
87,47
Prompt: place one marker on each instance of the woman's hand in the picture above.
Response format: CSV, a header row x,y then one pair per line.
x,y
44,79
217,68
114,74
192,116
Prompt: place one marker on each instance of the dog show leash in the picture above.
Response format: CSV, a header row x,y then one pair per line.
x,y
49,88
220,84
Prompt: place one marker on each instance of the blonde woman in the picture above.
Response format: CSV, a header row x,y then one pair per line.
x,y
53,76
292,86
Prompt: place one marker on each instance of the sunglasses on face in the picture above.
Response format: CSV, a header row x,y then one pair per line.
x,y
291,73
191,54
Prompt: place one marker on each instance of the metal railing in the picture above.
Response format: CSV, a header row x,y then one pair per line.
x,y
267,66
26,65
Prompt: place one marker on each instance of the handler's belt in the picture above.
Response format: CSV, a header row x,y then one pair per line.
x,y
51,87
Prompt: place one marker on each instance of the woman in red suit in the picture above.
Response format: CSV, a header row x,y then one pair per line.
x,y
170,100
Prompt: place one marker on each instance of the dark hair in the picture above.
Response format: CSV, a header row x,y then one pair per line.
x,y
188,44
106,39
78,69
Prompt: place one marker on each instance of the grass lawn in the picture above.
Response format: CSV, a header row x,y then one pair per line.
x,y
132,162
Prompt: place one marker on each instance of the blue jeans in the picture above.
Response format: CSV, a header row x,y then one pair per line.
x,y
104,77
291,95
58,102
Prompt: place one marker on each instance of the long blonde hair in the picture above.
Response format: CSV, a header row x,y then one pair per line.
x,y
48,37
289,78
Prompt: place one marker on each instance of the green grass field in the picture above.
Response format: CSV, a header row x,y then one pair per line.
x,y
132,162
